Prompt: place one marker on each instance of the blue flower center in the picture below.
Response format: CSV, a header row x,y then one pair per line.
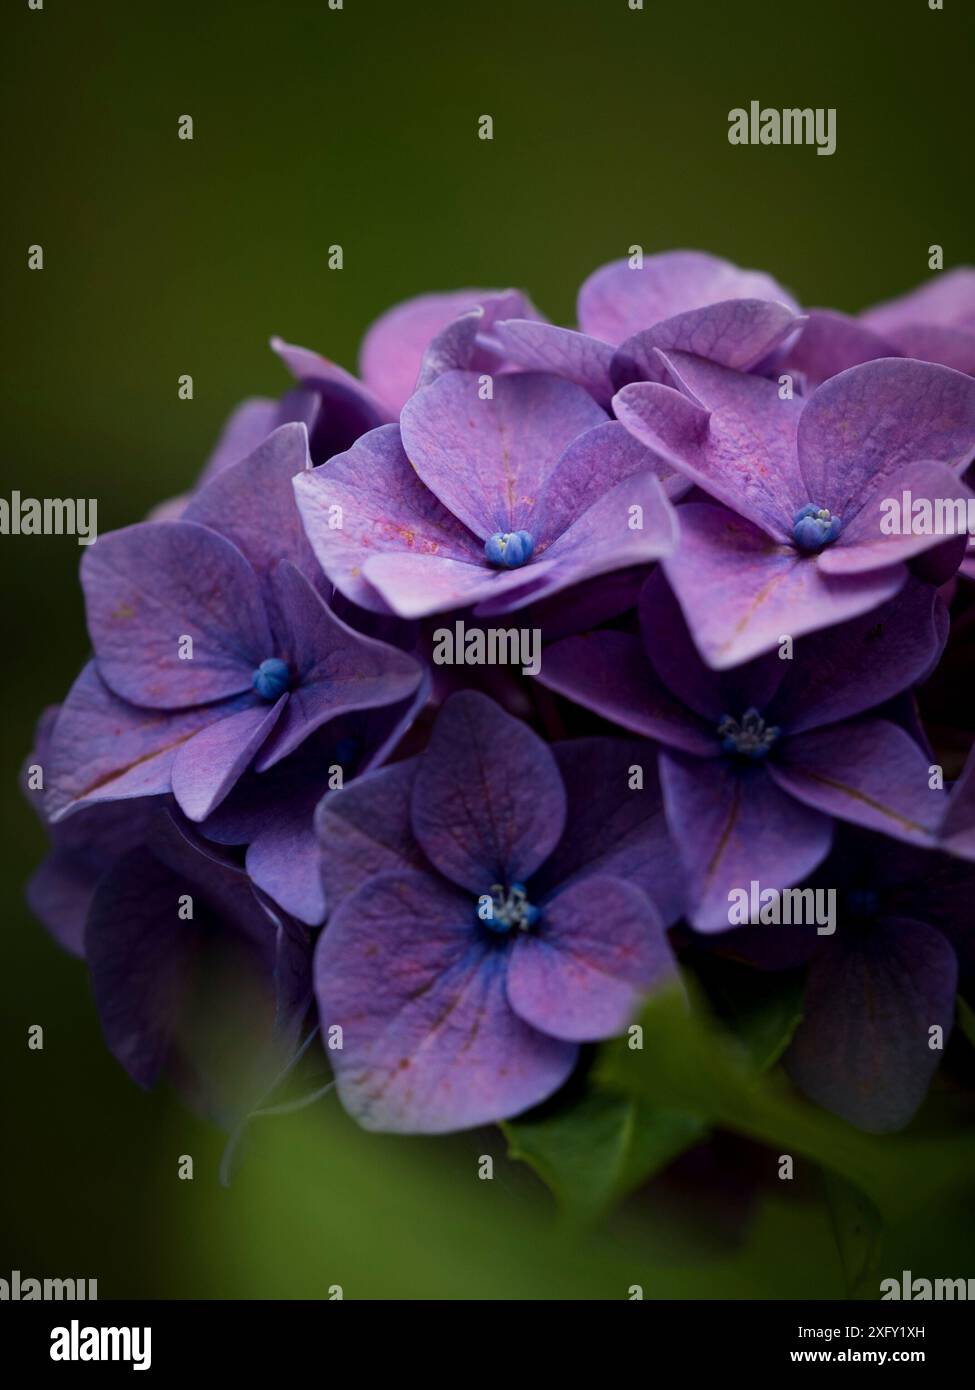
x,y
813,527
509,911
509,549
749,737
272,678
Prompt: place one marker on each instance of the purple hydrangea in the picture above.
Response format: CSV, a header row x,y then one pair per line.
x,y
492,910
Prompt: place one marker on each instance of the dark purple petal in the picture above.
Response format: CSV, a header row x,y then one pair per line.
x,y
598,949
609,673
429,1041
209,764
488,803
869,772
862,1049
734,826
614,823
861,664
364,830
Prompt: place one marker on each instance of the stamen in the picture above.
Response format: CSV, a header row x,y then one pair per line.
x,y
509,549
510,911
813,527
272,678
751,738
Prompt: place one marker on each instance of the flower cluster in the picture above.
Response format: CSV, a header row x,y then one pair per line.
x,y
737,531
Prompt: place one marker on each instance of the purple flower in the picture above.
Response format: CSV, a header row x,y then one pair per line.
x,y
272,812
484,501
881,982
798,544
755,763
214,650
683,300
491,910
193,976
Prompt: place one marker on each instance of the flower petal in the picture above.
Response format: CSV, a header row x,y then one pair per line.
x,y
618,300
861,428
207,766
734,826
599,948
742,593
150,586
869,772
429,1041
369,501
738,333
862,1048
488,804
489,460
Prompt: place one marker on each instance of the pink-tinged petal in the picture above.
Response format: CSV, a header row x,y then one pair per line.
x,y
951,347
732,435
742,593
335,383
417,585
957,830
863,544
863,427
469,343
598,949
738,333
946,300
735,826
863,663
614,826
103,749
489,460
488,804
365,830
608,672
590,467
429,1040
148,587
544,347
862,1048
830,343
677,662
206,768
369,501
393,348
334,668
252,503
618,301
869,772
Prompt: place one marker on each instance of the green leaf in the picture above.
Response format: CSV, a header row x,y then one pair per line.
x,y
858,1230
966,1019
687,1063
595,1151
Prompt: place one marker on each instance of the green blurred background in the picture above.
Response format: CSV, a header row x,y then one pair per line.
x,y
163,257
